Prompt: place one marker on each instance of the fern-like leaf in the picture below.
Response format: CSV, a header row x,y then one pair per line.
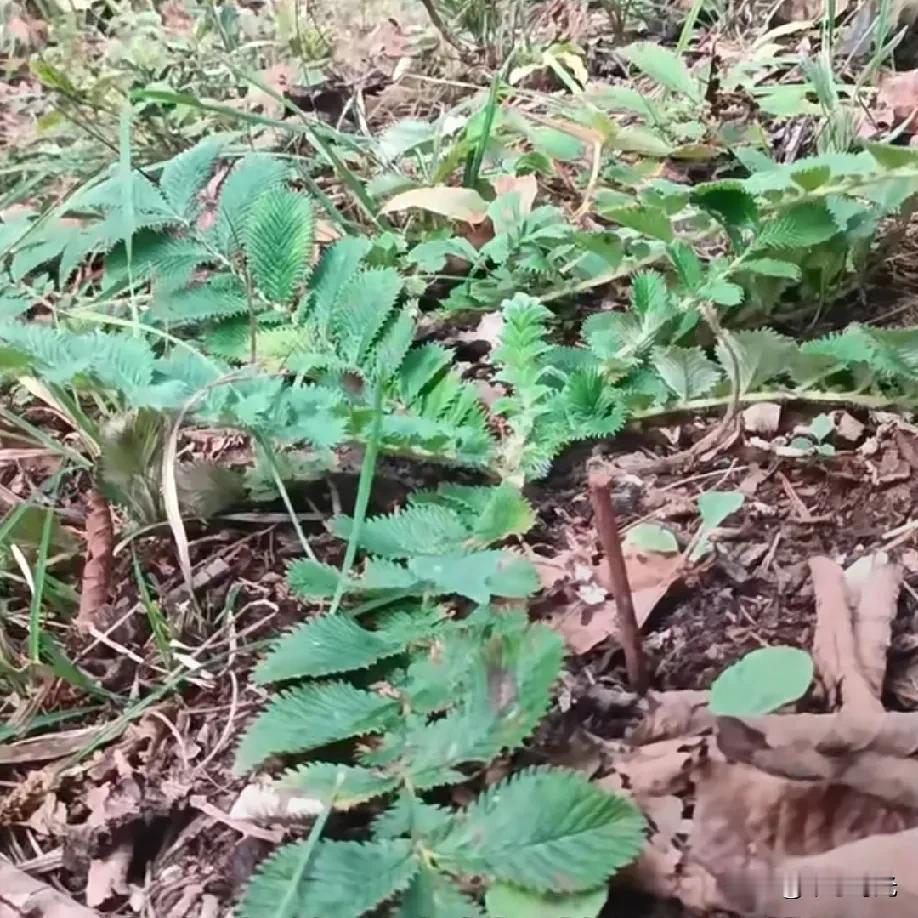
x,y
573,840
278,239
342,880
311,716
362,310
185,176
418,530
252,176
762,355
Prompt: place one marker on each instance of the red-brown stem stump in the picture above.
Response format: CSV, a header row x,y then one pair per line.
x,y
607,530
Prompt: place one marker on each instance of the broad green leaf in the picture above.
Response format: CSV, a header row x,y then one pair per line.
x,y
432,255
455,203
652,537
761,682
893,156
571,841
722,292
638,139
812,177
714,507
341,880
312,716
665,67
686,370
504,900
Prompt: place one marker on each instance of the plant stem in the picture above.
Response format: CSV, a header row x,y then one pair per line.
x,y
607,530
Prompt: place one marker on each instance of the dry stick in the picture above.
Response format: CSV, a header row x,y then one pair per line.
x,y
607,529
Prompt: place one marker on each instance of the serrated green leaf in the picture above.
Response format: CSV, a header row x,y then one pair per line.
x,y
812,177
504,900
652,537
761,682
728,202
311,716
327,644
278,235
479,575
800,226
342,879
772,267
686,371
339,786
651,221
412,531
665,67
893,156
433,895
762,355
557,144
571,841
722,292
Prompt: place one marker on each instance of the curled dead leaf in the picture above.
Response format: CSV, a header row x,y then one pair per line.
x,y
464,204
97,571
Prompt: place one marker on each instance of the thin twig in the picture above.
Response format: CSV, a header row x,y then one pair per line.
x,y
607,530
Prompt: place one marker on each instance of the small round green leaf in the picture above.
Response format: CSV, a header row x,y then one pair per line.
x,y
762,682
652,537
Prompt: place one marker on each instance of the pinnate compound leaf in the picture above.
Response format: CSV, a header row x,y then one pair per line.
x,y
311,716
278,240
664,66
686,371
335,785
728,202
503,900
571,841
761,682
342,879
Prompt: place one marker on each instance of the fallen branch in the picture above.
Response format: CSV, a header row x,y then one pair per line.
x,y
607,530
21,895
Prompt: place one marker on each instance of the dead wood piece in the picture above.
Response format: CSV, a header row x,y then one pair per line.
x,y
97,571
21,895
607,530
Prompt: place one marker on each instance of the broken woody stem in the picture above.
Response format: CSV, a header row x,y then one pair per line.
x,y
607,530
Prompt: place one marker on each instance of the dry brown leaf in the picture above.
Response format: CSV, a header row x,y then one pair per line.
x,y
875,602
650,575
464,204
834,649
898,93
762,418
525,185
108,875
47,747
97,571
669,715
21,895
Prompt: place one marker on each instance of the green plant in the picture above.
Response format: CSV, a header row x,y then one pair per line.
x,y
415,697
